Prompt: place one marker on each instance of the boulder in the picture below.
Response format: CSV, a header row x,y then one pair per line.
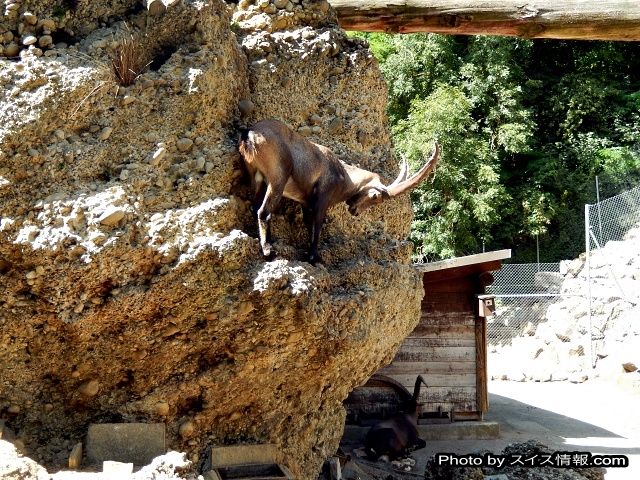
x,y
161,307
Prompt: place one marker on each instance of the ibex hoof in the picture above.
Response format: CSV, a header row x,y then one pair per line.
x,y
270,254
315,260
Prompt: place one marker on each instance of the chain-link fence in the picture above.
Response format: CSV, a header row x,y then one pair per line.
x,y
612,232
589,291
612,218
523,294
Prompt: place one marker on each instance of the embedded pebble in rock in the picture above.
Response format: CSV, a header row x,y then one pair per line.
x,y
246,107
11,50
158,155
90,388
184,144
304,130
156,7
162,408
105,133
30,18
186,429
45,41
170,330
46,24
29,40
335,126
128,99
111,216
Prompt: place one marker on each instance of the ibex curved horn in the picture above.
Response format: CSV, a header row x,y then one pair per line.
x,y
397,435
404,170
416,388
402,187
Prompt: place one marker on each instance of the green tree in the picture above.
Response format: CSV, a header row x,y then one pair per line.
x,y
457,210
525,127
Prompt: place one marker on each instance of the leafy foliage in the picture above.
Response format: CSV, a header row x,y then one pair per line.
x,y
525,126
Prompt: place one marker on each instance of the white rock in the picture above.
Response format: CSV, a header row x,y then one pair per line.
x,y
29,40
157,156
30,18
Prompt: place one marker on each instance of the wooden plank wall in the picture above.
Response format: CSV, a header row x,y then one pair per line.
x,y
443,347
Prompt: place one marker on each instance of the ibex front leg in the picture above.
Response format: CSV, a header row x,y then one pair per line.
x,y
314,221
271,199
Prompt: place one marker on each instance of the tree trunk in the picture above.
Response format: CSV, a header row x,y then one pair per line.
x,y
568,19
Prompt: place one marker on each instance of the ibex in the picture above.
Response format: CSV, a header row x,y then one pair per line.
x,y
312,175
398,435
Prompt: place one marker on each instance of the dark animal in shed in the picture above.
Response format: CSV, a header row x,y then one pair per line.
x,y
312,175
397,436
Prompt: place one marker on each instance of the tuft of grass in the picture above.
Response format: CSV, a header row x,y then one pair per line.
x,y
129,62
60,12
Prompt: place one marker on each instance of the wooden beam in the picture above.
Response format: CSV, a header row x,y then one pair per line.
x,y
482,391
568,19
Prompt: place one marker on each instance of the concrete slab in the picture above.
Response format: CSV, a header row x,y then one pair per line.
x,y
243,455
468,430
136,443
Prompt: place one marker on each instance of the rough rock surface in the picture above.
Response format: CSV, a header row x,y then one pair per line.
x,y
557,346
132,287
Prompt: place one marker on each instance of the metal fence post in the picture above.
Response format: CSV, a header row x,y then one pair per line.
x,y
587,242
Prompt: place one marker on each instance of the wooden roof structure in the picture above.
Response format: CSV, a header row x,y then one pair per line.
x,y
567,19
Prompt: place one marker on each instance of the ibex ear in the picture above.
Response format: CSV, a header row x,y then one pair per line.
x,y
385,194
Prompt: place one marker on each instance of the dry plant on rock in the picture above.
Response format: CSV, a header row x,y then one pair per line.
x,y
129,62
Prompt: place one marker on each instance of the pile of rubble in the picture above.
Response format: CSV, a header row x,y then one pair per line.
x,y
558,346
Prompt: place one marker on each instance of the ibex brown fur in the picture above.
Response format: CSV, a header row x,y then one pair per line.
x,y
312,175
398,435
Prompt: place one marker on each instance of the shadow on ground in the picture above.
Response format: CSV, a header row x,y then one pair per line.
x,y
596,417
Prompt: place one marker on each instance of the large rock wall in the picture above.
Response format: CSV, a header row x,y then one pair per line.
x,y
132,287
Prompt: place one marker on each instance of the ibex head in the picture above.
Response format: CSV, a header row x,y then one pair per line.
x,y
374,191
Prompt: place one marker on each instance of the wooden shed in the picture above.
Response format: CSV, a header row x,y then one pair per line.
x,y
448,347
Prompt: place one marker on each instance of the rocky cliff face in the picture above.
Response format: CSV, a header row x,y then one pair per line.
x,y
132,287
